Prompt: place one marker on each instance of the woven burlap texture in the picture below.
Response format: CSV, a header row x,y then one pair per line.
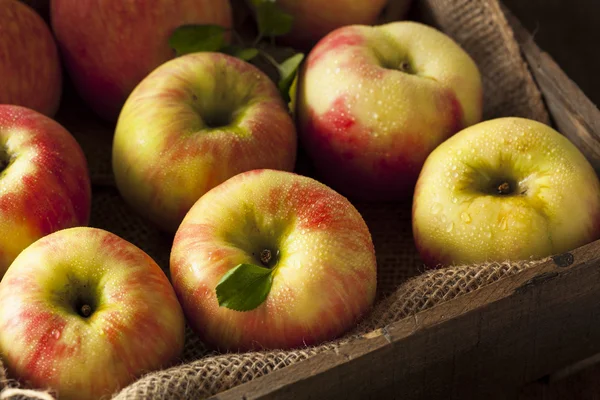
x,y
404,287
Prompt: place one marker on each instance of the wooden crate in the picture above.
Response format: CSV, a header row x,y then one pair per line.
x,y
490,342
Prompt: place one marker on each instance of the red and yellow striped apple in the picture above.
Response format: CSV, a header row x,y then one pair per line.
x,y
44,180
310,242
109,46
504,189
190,125
84,312
373,102
30,70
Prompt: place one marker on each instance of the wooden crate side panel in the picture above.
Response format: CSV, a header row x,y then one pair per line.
x,y
485,343
573,113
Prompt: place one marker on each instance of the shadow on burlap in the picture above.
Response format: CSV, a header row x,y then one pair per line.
x,y
404,287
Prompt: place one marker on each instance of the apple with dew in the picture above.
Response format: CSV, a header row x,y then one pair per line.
x,y
272,259
109,46
373,102
30,69
193,123
44,180
309,26
84,312
504,189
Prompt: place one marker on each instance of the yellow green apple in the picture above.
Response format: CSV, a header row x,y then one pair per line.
x,y
374,101
272,259
84,313
504,189
193,123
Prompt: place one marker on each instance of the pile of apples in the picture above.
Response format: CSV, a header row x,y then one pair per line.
x,y
205,147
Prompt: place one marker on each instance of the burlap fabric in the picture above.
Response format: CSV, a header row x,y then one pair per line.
x,y
404,286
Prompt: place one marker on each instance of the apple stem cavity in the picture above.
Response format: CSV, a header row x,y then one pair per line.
x,y
86,310
265,257
504,188
404,67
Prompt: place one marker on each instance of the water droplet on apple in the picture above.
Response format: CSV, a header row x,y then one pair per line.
x,y
436,208
465,217
449,227
55,333
455,200
454,167
529,156
337,70
447,173
459,152
455,175
488,234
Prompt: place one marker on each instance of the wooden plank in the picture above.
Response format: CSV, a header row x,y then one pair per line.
x,y
573,113
487,343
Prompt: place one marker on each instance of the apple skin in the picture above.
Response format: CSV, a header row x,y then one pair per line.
x,y
326,274
29,60
45,187
136,323
192,124
458,219
109,46
368,126
310,26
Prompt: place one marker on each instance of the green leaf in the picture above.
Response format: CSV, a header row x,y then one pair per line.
x,y
287,72
194,38
245,54
271,20
244,287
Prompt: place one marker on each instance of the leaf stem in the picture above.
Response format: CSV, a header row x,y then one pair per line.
x,y
259,37
270,59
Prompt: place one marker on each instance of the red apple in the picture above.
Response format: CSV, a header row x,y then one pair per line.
x,y
44,183
313,19
193,123
305,250
85,313
30,70
109,46
373,102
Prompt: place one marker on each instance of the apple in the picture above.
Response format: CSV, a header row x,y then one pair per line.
x,y
373,102
109,46
313,19
84,312
312,271
44,180
190,125
504,189
29,60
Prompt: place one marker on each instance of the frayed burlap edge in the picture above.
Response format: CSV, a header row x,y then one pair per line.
x,y
216,373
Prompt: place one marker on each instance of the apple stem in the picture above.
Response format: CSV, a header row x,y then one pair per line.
x,y
504,188
265,256
86,310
